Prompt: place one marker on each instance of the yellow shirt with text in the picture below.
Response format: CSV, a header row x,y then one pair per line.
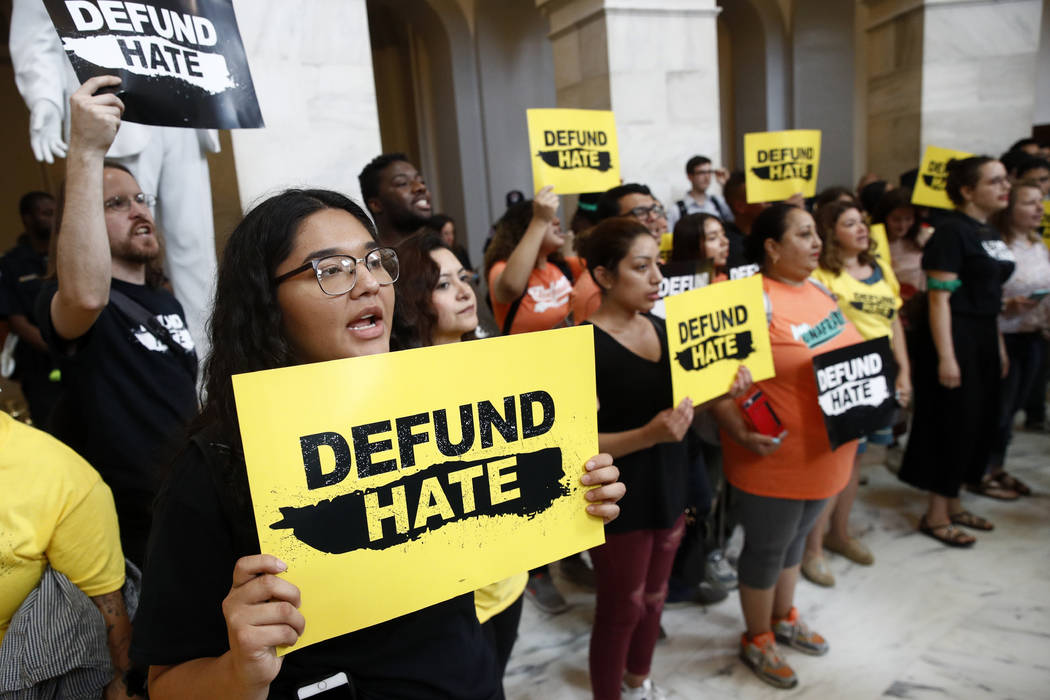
x,y
54,509
870,307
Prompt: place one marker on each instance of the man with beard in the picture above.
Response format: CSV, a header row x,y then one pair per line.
x,y
22,272
128,364
396,196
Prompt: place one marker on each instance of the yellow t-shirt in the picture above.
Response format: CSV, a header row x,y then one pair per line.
x,y
870,307
497,597
54,508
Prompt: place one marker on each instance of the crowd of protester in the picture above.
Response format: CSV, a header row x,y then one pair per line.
x,y
129,499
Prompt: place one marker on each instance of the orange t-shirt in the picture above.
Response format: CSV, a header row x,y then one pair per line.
x,y
546,301
805,322
586,298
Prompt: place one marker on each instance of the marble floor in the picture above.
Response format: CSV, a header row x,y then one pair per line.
x,y
924,622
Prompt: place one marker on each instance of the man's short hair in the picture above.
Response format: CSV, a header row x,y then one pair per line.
x,y
369,177
1029,164
609,202
1021,143
29,201
694,162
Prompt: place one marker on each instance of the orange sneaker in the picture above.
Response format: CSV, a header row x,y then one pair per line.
x,y
791,631
760,654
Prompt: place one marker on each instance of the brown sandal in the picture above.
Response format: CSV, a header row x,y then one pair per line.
x,y
1012,483
946,534
992,487
968,519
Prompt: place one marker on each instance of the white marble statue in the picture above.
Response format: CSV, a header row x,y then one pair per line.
x,y
168,162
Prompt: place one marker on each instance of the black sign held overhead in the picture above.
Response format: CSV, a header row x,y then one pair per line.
x,y
182,62
855,388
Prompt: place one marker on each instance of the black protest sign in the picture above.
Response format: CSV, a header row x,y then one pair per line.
x,y
182,62
855,389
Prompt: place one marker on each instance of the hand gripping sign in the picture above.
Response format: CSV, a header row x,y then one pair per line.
x,y
182,62
855,388
573,149
779,164
933,176
712,331
393,482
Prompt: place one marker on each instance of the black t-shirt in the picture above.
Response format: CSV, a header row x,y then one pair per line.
x,y
200,529
631,390
126,395
978,255
22,273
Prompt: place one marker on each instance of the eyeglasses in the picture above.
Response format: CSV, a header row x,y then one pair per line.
x,y
655,211
707,171
121,203
337,274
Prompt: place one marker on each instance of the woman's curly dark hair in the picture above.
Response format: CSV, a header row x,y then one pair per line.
x,y
414,315
510,229
246,326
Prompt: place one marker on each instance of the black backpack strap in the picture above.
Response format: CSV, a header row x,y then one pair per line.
x,y
681,208
137,313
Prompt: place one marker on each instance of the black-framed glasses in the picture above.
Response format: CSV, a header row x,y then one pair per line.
x,y
337,274
122,203
655,211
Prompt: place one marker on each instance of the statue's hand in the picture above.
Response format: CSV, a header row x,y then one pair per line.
x,y
45,131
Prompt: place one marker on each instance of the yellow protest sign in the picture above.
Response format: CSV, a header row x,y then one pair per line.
x,y
1045,225
573,149
882,244
779,164
713,330
933,176
666,246
393,482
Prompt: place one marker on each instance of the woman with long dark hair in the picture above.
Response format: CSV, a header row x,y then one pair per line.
x,y
436,305
645,433
702,237
302,279
959,356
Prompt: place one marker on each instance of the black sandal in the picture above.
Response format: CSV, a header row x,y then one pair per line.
x,y
949,534
968,519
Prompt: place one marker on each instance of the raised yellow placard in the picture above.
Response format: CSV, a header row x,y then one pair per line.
x,y
882,244
573,149
393,482
1045,225
933,176
666,246
713,330
779,164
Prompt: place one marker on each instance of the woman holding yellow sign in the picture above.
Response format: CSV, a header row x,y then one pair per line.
x,y
869,296
645,434
777,455
303,279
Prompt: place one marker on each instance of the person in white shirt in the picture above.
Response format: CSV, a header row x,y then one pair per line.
x,y
697,200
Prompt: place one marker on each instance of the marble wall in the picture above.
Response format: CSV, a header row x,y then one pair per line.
x,y
979,68
954,73
312,68
653,62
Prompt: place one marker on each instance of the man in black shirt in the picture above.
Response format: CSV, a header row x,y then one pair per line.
x,y
127,359
22,272
396,196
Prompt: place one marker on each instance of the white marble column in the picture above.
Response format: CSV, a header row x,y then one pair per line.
x,y
312,68
654,63
954,73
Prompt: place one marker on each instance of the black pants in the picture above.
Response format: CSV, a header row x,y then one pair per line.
x,y
953,430
1035,395
1026,353
501,631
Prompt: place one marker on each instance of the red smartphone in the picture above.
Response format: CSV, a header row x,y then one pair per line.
x,y
762,416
